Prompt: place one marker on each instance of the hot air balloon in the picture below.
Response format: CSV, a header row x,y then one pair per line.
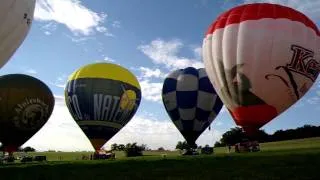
x,y
261,58
191,101
26,104
102,98
15,19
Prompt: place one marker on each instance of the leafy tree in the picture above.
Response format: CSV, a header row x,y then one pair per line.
x,y
114,147
184,145
133,150
121,147
233,136
218,144
160,149
144,147
28,149
179,145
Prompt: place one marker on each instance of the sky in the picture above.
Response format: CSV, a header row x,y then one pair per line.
x,y
151,39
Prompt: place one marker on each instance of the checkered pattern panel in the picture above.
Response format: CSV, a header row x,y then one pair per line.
x,y
190,100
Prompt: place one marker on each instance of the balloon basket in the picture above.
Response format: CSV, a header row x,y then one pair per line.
x,y
190,152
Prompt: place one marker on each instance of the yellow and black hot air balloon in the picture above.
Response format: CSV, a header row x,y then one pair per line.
x,y
102,98
26,103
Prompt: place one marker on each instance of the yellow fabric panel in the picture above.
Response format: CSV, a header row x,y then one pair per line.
x,y
106,71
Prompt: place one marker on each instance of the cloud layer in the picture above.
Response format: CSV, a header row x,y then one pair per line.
x,y
71,13
166,53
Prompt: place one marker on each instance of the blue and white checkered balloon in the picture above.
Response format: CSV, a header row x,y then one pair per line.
x,y
191,101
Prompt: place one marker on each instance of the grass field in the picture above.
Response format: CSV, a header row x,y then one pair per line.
x,y
297,159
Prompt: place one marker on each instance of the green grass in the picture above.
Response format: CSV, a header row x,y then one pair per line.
x,y
297,159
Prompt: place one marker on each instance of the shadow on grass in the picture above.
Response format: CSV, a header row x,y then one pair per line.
x,y
302,164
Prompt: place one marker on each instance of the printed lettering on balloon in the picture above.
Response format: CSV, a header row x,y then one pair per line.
x,y
108,108
303,62
28,20
30,112
73,105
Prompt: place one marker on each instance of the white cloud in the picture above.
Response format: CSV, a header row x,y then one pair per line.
x,y
108,59
198,52
313,100
30,71
151,90
157,133
309,7
62,133
71,13
78,39
49,28
150,80
149,73
61,81
116,24
166,53
101,29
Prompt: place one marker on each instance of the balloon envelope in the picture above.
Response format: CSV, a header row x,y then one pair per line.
x,y
15,21
261,59
102,98
191,101
26,104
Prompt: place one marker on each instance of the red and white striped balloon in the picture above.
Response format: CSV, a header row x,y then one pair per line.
x,y
261,58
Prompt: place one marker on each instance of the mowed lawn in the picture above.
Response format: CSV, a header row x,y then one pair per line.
x,y
297,159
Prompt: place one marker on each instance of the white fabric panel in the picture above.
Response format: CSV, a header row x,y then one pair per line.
x,y
206,100
187,114
170,100
15,21
187,82
261,46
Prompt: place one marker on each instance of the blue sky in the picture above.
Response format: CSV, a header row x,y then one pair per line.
x,y
151,38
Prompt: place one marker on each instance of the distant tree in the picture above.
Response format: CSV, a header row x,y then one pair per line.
x,y
179,145
133,150
262,136
184,145
28,149
233,136
144,147
114,147
160,149
218,144
121,147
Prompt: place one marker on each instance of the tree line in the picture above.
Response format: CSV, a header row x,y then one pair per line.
x,y
235,135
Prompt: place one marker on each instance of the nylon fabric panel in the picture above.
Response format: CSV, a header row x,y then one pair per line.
x,y
257,11
91,100
106,71
16,17
261,67
188,106
26,104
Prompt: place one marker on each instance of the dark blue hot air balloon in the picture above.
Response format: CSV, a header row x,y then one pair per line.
x,y
191,101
